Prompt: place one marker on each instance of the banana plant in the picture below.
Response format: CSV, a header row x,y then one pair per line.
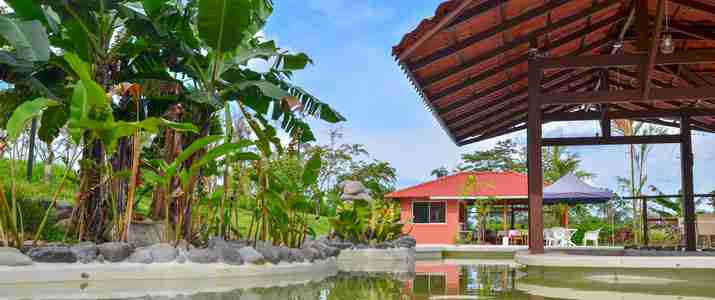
x,y
10,218
162,173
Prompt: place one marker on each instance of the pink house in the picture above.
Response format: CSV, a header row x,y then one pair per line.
x,y
435,210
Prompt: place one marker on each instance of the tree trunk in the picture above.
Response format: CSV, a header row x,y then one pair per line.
x,y
47,167
31,152
173,141
91,209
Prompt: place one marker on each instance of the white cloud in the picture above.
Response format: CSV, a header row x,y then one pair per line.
x,y
347,13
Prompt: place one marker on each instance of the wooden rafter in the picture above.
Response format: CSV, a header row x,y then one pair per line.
x,y
486,34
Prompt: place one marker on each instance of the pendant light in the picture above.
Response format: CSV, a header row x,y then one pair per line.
x,y
666,44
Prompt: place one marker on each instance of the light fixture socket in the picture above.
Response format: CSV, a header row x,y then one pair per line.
x,y
666,44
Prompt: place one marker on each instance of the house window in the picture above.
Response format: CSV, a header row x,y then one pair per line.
x,y
429,212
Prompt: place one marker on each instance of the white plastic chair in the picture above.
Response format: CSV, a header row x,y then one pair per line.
x,y
549,237
561,235
591,236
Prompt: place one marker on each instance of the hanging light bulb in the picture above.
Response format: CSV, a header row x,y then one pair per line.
x,y
666,44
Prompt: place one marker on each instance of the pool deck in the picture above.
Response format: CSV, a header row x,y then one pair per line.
x,y
565,260
492,251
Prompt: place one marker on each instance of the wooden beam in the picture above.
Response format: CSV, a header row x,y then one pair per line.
x,y
459,103
535,173
642,25
619,60
616,115
485,74
486,34
696,5
442,23
507,115
614,140
508,102
466,65
605,85
686,164
647,67
474,12
664,94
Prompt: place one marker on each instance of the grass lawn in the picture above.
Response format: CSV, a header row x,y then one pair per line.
x,y
37,189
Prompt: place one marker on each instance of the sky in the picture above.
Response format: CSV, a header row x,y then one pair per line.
x,y
350,43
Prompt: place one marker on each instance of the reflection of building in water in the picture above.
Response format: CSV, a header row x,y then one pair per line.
x,y
454,279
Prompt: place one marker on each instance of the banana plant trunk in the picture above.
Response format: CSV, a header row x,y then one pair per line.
x,y
91,209
173,145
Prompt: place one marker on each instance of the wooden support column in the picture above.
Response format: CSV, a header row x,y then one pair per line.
x,y
511,218
536,176
505,221
605,120
686,162
644,212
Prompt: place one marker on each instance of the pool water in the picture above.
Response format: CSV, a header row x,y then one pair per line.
x,y
449,280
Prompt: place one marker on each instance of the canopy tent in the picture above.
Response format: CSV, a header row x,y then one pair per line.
x,y
570,189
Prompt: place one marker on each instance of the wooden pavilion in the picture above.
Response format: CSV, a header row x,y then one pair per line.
x,y
486,68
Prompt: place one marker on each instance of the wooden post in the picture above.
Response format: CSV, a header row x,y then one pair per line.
x,y
536,176
505,225
511,218
686,162
644,212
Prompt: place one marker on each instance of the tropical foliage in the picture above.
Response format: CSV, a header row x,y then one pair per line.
x,y
367,222
152,93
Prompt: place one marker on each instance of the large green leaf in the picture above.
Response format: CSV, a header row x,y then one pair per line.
x,y
24,113
268,89
26,9
222,150
188,152
223,23
89,109
80,67
312,169
28,37
54,118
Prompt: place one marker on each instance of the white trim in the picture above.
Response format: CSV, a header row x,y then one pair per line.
x,y
478,197
428,201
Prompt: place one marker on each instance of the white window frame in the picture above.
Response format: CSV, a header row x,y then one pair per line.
x,y
430,202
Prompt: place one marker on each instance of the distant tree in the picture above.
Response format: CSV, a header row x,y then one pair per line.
x,y
505,156
669,206
377,176
439,172
559,162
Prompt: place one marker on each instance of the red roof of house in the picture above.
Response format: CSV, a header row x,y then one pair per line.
x,y
501,184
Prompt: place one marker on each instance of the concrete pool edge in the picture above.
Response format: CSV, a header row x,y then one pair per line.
x,y
395,260
53,272
563,260
392,260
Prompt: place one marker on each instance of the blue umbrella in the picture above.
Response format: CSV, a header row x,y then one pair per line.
x,y
570,189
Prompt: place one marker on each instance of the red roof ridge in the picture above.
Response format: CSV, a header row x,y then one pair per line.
x,y
444,178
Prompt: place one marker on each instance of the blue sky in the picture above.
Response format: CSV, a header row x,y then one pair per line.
x,y
351,42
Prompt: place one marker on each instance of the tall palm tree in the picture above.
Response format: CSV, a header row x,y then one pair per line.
x,y
638,159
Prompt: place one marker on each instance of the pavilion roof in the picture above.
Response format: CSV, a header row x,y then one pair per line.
x,y
469,61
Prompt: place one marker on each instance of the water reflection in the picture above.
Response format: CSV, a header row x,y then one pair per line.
x,y
433,280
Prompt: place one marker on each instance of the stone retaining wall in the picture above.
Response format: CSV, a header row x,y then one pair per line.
x,y
393,260
130,280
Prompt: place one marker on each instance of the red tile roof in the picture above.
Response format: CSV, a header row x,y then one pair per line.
x,y
504,184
